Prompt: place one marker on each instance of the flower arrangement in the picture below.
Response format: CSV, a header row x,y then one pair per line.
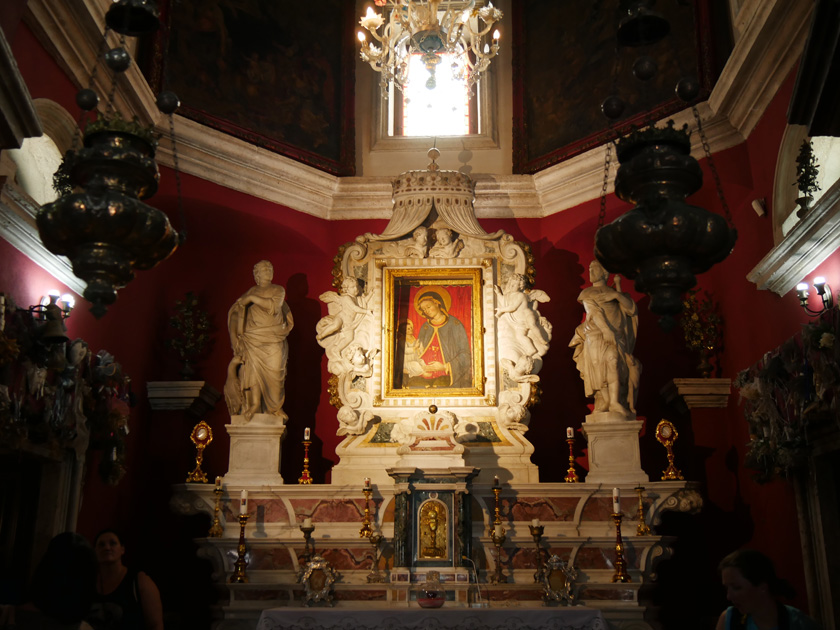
x,y
59,396
702,326
192,340
792,387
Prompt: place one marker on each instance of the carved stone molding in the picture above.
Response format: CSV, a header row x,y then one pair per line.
x,y
764,54
198,397
18,119
813,239
698,393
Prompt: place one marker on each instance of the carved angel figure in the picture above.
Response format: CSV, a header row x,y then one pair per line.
x,y
532,332
346,310
445,246
420,246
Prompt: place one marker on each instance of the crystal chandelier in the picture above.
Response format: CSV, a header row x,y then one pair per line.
x,y
431,29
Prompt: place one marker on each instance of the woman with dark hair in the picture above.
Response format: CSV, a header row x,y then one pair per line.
x,y
754,590
61,590
125,599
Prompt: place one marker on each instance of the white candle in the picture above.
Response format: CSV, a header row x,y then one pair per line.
x,y
243,502
218,482
498,530
569,433
535,522
367,483
307,522
616,501
306,434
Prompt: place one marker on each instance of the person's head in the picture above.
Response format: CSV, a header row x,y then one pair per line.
x,y
597,271
64,582
421,235
263,272
430,305
108,546
750,580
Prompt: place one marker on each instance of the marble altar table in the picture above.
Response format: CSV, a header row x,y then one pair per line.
x,y
513,618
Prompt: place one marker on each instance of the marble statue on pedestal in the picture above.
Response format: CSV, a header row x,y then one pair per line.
x,y
259,323
603,344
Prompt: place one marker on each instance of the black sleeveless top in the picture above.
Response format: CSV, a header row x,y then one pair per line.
x,y
119,609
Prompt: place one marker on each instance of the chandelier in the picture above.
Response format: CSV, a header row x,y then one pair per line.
x,y
431,29
99,222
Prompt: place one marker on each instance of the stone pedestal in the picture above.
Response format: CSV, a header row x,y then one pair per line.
x,y
613,449
255,450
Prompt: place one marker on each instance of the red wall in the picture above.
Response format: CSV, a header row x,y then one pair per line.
x,y
229,231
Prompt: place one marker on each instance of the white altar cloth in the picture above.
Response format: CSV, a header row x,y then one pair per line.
x,y
516,618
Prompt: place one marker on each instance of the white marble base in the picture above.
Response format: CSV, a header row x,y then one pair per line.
x,y
613,449
255,450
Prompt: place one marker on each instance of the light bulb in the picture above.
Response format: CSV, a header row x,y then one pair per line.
x,y
496,35
361,36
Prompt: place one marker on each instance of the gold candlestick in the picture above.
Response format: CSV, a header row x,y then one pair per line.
x,y
497,535
571,475
201,436
620,564
307,539
666,434
537,532
216,529
366,531
642,528
239,576
304,475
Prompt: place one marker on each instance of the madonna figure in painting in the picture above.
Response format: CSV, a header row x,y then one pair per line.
x,y
444,347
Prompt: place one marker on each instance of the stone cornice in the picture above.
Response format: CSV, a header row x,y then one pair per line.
x,y
813,239
769,45
18,119
17,226
773,37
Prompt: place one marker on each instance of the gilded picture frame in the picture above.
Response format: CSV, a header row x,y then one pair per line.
x,y
433,332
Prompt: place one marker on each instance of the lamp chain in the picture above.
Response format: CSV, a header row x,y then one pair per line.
x,y
708,151
607,159
113,91
83,114
181,215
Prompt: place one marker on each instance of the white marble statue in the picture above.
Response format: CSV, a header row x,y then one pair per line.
x,y
346,310
419,247
518,308
259,323
603,344
445,245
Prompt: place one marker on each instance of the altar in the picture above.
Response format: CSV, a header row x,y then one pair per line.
x,y
524,618
434,341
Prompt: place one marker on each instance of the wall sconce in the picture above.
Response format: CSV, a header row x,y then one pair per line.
x,y
65,302
52,314
823,290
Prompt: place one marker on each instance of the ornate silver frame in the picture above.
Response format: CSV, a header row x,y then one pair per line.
x,y
318,578
559,582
